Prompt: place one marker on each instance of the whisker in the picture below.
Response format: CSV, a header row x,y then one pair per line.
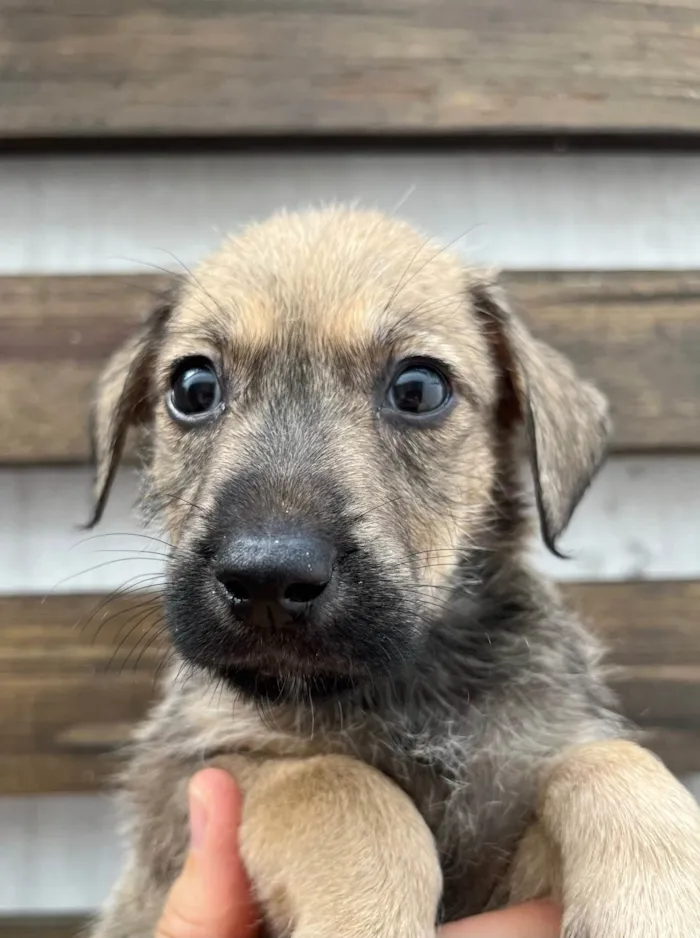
x,y
142,263
142,614
157,635
389,501
405,274
190,273
165,662
149,537
143,288
175,497
441,250
139,621
414,555
135,554
99,566
124,590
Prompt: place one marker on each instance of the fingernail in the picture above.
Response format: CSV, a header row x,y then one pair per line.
x,y
199,816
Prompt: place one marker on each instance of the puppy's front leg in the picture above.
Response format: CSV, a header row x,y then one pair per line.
x,y
336,850
618,841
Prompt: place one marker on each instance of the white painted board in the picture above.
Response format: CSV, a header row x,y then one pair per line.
x,y
58,853
80,214
640,519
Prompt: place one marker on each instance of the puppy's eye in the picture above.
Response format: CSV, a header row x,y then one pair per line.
x,y
195,390
418,388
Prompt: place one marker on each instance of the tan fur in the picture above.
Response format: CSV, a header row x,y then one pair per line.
x,y
350,810
360,813
617,842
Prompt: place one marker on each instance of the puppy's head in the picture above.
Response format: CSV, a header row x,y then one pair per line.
x,y
329,401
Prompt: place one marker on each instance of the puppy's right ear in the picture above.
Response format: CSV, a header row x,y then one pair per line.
x,y
122,399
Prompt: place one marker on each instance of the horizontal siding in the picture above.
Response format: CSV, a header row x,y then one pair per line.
x,y
521,211
524,211
236,66
636,335
639,520
79,671
59,852
42,926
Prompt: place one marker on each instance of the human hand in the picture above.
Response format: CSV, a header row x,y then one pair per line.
x,y
212,896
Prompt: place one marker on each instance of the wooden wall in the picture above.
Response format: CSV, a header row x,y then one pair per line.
x,y
555,139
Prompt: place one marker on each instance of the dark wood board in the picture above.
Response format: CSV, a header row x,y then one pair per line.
x,y
39,926
241,67
652,631
68,697
76,672
54,334
636,334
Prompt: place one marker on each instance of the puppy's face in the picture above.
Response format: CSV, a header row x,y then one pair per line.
x,y
327,399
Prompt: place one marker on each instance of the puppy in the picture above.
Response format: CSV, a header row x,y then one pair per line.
x,y
335,415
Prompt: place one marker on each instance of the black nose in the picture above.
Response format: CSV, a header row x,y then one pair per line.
x,y
289,570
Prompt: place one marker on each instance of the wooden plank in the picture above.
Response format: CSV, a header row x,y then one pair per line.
x,y
652,630
636,333
54,334
231,67
76,673
39,926
73,682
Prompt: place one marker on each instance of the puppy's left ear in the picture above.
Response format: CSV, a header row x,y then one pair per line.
x,y
566,419
122,399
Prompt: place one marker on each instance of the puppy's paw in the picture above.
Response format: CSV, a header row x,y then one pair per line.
x,y
348,931
356,918
364,929
646,904
627,835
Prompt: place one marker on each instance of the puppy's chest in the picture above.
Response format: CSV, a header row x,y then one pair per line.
x,y
477,812
476,802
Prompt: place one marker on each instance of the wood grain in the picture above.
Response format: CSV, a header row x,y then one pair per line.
x,y
652,630
637,334
54,334
76,672
74,680
232,67
39,926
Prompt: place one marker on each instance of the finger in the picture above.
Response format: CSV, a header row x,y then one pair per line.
x,y
212,897
538,919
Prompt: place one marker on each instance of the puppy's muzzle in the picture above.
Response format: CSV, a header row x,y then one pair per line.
x,y
274,578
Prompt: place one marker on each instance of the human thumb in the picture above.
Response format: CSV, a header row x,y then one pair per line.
x,y
212,896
